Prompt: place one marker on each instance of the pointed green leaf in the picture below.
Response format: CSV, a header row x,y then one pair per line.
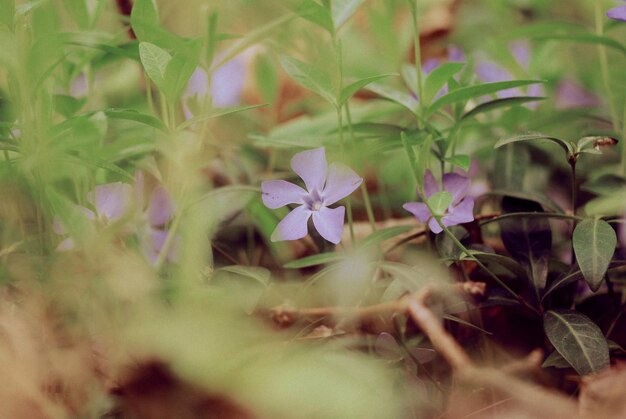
x,y
348,91
579,340
155,61
310,77
316,13
469,92
342,10
460,160
394,95
438,78
179,70
500,103
567,147
314,260
594,244
439,202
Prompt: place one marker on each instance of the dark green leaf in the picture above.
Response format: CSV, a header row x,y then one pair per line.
x,y
578,340
348,91
500,103
438,79
469,92
528,240
594,244
510,164
567,147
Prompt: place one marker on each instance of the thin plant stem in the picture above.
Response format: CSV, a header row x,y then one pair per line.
x,y
604,65
366,196
623,171
343,147
418,58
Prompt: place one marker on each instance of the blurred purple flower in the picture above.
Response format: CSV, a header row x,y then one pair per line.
x,y
112,201
570,94
455,55
479,185
490,72
227,84
617,13
325,186
460,210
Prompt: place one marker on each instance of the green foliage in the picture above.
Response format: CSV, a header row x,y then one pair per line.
x,y
578,340
594,244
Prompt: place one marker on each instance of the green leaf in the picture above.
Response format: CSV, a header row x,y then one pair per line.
x,y
348,91
605,184
385,234
594,244
310,78
7,13
535,136
179,70
155,61
584,38
216,114
394,95
439,202
266,78
316,13
469,92
132,115
579,340
556,360
510,167
77,9
314,260
342,10
500,103
261,275
438,78
612,204
460,160
68,105
506,262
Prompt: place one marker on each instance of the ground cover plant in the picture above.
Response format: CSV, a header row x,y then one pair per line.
x,y
312,209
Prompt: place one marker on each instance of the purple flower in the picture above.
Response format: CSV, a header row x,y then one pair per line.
x,y
617,13
460,209
227,83
325,185
570,94
490,72
113,201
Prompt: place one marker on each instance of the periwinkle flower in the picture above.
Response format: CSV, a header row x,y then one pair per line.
x,y
460,209
617,13
227,83
325,185
570,94
113,201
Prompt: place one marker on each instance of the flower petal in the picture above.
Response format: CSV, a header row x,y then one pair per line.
x,y
342,181
434,226
161,207
293,226
278,193
311,167
462,213
617,13
430,184
111,199
198,83
152,242
419,209
457,185
227,83
329,223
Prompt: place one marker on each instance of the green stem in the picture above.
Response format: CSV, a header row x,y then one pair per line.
x,y
418,58
624,142
169,240
604,65
364,191
343,149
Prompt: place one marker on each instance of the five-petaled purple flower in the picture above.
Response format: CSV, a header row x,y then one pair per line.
x,y
325,186
617,13
460,209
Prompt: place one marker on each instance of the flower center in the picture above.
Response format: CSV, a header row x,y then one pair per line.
x,y
314,201
316,206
